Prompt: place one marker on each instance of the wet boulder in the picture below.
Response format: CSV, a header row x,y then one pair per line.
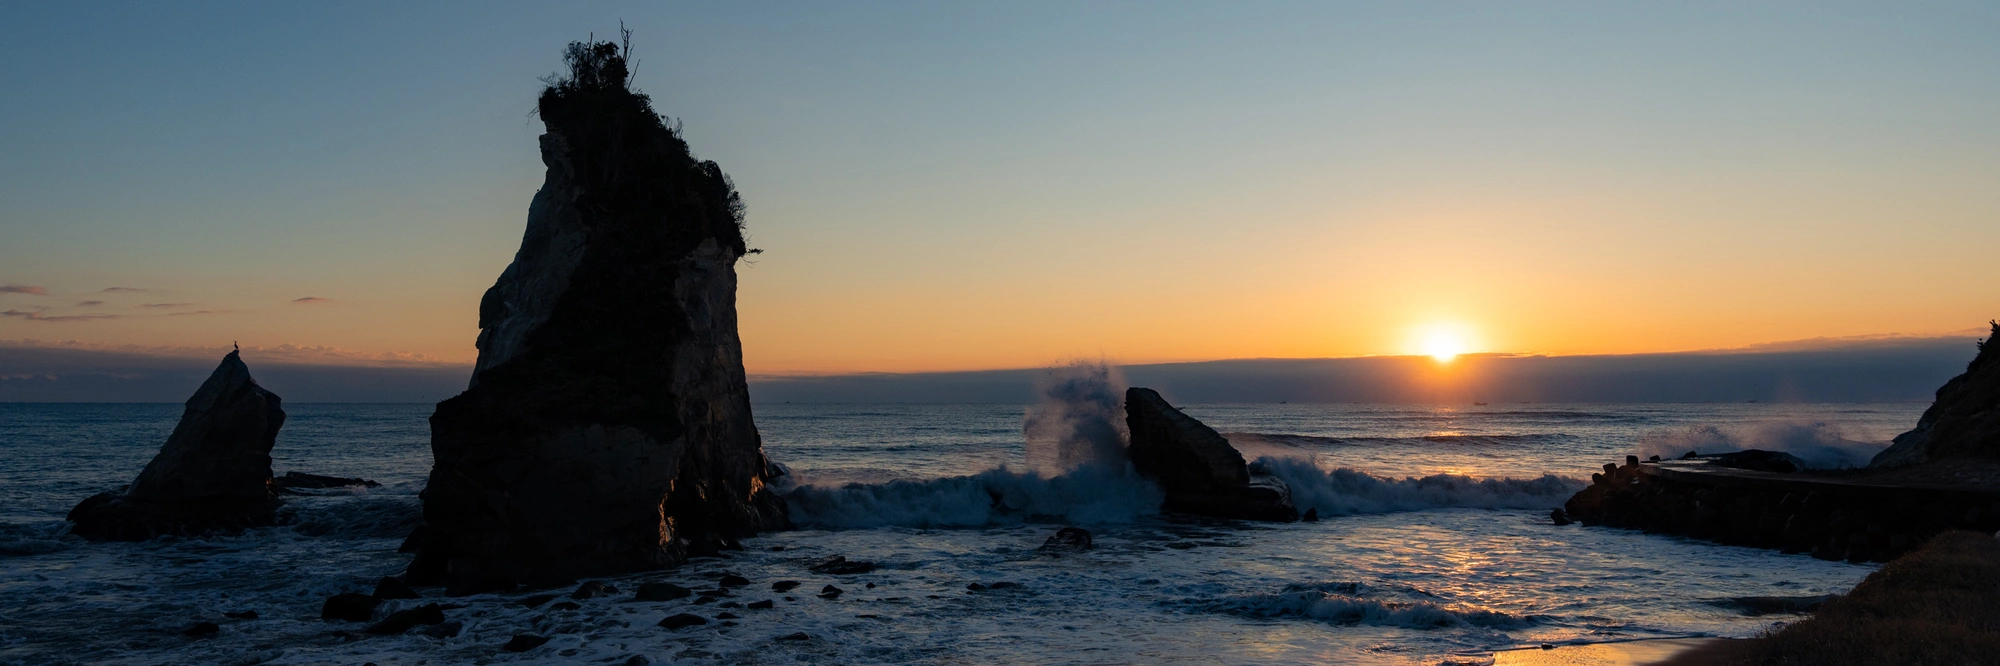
x,y
683,620
350,606
213,473
1196,467
1756,460
839,565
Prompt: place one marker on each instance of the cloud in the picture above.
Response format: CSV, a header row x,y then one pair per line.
x,y
24,289
312,299
86,304
109,290
37,316
165,305
200,312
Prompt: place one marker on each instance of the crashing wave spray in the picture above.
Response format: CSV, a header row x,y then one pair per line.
x,y
1079,419
1075,453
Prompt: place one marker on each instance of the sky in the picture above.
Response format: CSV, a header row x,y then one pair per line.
x,y
951,186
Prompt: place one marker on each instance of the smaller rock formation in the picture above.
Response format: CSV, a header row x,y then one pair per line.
x,y
1067,540
1964,422
1196,467
214,473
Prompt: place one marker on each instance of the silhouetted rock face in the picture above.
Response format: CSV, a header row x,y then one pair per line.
x,y
213,473
1200,472
1964,422
608,420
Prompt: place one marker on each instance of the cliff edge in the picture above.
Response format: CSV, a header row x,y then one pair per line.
x,y
1964,422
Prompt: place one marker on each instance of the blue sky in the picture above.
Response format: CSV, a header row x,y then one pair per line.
x,y
944,186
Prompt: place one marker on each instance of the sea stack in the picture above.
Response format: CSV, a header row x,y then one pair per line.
x,y
1964,422
1196,467
214,473
607,428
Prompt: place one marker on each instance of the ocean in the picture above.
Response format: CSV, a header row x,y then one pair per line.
x,y
1435,544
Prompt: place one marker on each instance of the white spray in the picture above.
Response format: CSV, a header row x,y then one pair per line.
x,y
1078,420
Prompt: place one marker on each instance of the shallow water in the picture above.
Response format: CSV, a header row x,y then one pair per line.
x,y
1459,560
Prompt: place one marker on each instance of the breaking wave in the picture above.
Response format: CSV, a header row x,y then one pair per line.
x,y
1094,494
1356,603
1346,492
36,538
1820,445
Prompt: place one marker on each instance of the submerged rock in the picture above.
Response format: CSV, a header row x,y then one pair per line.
x,y
404,620
1196,467
1964,421
839,565
1067,540
608,418
524,642
683,620
661,592
303,481
213,474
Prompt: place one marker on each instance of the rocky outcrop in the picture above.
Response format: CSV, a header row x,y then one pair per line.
x,y
608,422
1196,467
1835,517
214,472
1964,422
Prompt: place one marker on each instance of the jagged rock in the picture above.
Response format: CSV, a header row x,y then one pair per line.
x,y
350,606
1067,540
390,588
213,474
303,481
1196,467
608,417
1964,421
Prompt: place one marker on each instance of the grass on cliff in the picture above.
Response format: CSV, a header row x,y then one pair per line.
x,y
1939,604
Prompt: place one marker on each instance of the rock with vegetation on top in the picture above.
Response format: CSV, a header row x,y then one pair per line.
x,y
1196,467
213,474
608,422
1964,422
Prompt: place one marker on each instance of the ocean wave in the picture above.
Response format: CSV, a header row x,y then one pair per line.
x,y
1820,445
1344,491
1357,603
36,538
354,516
1253,439
1094,494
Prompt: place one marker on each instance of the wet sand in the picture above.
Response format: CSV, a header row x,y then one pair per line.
x,y
1631,653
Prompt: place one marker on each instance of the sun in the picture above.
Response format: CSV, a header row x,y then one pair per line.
x,y
1444,345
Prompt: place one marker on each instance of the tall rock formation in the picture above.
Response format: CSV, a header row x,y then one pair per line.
x,y
607,427
214,473
1964,422
1200,472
